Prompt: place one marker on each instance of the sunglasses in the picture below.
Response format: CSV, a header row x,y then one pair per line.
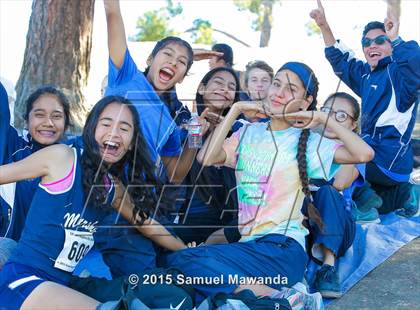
x,y
379,40
340,116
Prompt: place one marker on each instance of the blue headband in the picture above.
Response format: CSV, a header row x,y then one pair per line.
x,y
304,75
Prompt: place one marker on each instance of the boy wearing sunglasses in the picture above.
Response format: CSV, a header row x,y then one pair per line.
x,y
388,84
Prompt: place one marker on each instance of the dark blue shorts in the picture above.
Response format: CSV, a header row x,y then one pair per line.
x,y
16,283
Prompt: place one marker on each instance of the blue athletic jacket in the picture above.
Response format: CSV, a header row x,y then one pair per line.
x,y
15,198
389,102
4,121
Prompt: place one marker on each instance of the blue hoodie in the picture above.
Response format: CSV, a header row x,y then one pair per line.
x,y
15,198
389,102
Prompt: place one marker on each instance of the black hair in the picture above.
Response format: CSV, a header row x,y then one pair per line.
x,y
205,176
199,99
373,25
259,64
136,166
173,40
54,91
313,213
169,96
353,101
227,53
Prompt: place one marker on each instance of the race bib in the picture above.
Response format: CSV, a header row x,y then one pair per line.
x,y
76,246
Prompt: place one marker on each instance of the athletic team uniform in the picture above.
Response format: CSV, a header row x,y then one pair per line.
x,y
59,232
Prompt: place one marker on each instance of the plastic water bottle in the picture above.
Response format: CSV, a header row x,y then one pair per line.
x,y
195,140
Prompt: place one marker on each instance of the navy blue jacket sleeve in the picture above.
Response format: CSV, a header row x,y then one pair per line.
x,y
4,127
346,66
407,74
4,122
10,141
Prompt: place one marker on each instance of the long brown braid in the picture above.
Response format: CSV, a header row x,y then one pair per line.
x,y
313,213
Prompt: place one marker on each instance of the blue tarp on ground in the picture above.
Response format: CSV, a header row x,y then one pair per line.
x,y
373,244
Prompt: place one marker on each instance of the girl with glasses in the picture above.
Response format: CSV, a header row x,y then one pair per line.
x,y
345,109
335,208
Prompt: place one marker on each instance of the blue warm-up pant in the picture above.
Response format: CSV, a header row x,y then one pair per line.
x,y
271,256
339,228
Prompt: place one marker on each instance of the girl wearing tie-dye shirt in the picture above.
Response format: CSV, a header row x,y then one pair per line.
x,y
273,162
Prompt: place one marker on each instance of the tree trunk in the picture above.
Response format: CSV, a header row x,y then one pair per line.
x,y
58,46
266,23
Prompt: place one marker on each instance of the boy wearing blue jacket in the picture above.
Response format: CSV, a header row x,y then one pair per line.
x,y
388,84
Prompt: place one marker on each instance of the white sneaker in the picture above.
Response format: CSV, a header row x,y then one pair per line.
x,y
299,300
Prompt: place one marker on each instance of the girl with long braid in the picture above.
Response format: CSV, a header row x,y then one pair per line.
x,y
273,162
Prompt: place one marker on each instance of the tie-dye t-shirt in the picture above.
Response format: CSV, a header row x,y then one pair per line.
x,y
268,184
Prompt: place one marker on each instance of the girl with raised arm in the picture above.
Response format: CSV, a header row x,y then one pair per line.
x,y
153,91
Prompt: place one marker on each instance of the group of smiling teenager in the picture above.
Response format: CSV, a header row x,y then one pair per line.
x,y
108,189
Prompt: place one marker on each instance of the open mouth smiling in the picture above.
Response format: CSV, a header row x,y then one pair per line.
x,y
47,133
166,74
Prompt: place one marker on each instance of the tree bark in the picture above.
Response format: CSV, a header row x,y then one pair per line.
x,y
58,46
266,23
